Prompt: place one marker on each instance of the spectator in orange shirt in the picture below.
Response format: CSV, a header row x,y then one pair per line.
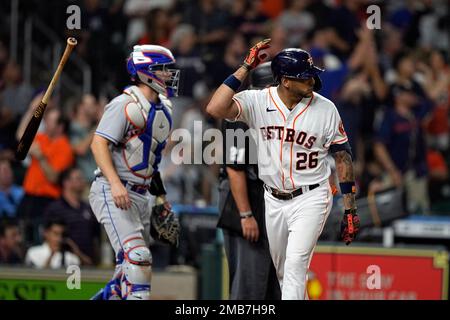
x,y
51,154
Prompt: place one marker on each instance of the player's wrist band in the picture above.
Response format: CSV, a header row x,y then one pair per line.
x,y
232,82
246,214
348,187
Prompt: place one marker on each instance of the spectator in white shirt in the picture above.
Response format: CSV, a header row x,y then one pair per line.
x,y
53,253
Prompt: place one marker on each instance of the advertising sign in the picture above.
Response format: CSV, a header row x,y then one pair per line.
x,y
365,273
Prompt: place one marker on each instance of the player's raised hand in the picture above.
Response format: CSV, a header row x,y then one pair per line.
x,y
255,56
250,229
120,196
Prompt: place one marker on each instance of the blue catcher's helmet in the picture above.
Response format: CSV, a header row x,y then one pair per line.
x,y
145,60
295,63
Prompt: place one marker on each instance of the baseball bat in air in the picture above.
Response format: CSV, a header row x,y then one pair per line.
x,y
30,132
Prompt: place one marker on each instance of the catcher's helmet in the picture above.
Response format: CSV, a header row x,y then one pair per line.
x,y
261,76
295,63
145,60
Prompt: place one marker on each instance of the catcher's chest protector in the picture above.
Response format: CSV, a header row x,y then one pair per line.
x,y
152,124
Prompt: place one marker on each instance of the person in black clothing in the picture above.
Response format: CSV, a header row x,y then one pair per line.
x,y
11,250
82,228
241,207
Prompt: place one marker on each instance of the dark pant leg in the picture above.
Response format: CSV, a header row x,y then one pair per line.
x,y
229,243
251,281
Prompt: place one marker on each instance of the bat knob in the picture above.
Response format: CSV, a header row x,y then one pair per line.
x,y
72,41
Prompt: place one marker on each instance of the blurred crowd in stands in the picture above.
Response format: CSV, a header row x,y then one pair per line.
x,y
391,86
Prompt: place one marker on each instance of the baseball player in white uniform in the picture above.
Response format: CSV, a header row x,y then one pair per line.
x,y
295,128
127,147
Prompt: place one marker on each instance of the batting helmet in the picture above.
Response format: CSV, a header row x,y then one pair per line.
x,y
261,76
295,63
145,60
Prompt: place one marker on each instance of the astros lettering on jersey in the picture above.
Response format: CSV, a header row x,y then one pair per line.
x,y
295,141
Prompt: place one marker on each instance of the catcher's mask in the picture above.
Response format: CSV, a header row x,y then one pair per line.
x,y
150,64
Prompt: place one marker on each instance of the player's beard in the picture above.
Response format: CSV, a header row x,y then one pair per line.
x,y
306,93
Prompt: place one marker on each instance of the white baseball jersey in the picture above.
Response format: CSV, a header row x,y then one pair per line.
x,y
292,150
292,144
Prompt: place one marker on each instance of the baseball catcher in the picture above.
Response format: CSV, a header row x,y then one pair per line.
x,y
127,147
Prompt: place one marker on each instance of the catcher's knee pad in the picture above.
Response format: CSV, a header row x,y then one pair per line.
x,y
137,270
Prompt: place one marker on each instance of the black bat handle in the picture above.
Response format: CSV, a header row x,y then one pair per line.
x,y
30,132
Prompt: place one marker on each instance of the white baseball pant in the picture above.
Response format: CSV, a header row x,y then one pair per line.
x,y
293,228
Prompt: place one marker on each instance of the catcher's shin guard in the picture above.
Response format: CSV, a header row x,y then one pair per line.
x,y
136,270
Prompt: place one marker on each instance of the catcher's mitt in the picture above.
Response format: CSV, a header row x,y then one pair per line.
x,y
164,225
